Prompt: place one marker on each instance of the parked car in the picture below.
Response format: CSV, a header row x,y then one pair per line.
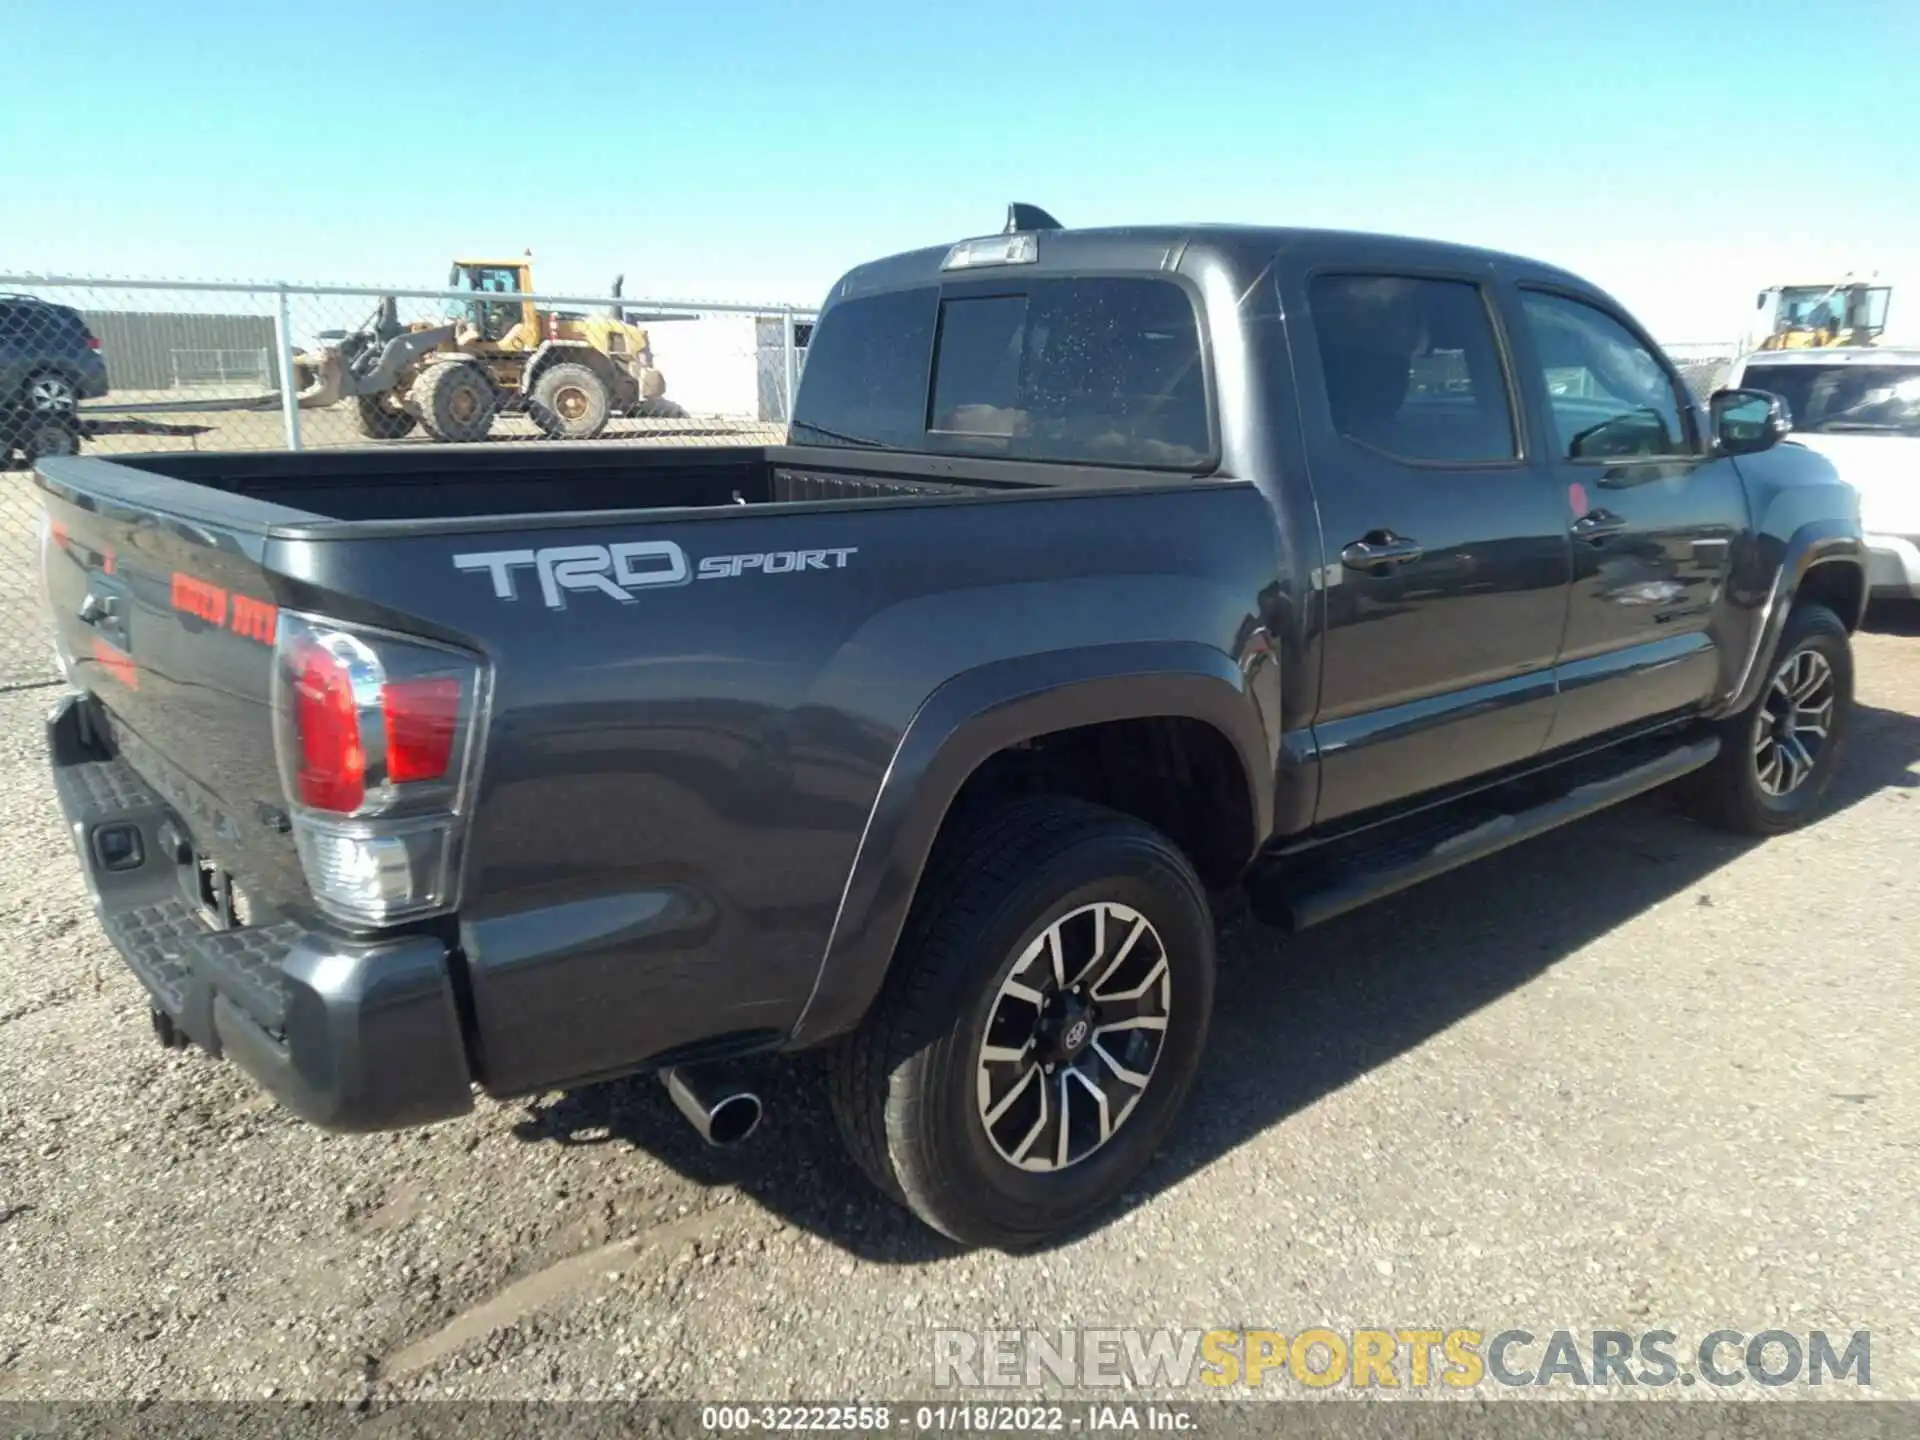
x,y
1106,574
1859,407
49,360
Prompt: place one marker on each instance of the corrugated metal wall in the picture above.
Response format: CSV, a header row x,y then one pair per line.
x,y
158,350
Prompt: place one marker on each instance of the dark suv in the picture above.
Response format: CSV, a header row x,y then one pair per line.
x,y
49,362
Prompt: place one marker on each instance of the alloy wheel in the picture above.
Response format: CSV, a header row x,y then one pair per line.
x,y
1073,1037
51,395
1793,723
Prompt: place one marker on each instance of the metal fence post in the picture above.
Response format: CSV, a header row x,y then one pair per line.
x,y
790,352
289,396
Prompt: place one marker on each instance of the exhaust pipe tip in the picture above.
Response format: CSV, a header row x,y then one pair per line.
x,y
722,1110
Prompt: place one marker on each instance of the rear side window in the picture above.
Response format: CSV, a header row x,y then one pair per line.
x,y
866,375
1095,371
1098,371
1412,368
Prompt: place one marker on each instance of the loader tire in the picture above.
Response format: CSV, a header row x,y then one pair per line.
x,y
570,402
380,418
455,402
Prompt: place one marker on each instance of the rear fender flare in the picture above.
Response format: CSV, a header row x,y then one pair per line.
x,y
972,717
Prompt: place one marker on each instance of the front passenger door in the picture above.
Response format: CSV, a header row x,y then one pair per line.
x,y
1652,515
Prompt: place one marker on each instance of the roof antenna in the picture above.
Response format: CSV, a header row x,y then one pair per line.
x,y
1022,216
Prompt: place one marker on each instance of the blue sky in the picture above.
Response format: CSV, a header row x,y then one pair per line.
x,y
1681,154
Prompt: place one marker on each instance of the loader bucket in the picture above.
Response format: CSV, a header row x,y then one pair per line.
x,y
321,379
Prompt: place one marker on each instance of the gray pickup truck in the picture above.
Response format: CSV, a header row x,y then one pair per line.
x,y
1107,576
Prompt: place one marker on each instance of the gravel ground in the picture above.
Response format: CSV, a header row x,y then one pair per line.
x,y
1634,1075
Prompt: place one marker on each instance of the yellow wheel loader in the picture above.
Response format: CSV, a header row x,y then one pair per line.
x,y
569,371
1809,317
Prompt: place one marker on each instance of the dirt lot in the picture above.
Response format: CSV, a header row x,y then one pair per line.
x,y
1635,1075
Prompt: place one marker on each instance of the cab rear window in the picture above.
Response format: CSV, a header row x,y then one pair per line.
x,y
1106,371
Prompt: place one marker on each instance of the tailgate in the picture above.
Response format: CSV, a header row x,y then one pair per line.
x,y
169,623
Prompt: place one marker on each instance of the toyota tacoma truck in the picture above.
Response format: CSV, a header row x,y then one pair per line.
x,y
1105,576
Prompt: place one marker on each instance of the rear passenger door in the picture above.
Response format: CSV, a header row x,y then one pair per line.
x,y
1446,556
1653,515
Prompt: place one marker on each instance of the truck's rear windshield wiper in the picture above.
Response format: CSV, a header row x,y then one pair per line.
x,y
844,439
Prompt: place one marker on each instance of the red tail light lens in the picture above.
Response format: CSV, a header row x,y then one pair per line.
x,y
422,716
378,737
370,723
332,771
93,342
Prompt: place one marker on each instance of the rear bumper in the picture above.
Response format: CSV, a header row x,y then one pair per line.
x,y
91,378
1893,566
347,1034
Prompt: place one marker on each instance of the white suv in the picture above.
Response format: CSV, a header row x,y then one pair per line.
x,y
1860,407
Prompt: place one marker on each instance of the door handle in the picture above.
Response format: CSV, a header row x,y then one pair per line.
x,y
1597,525
1380,548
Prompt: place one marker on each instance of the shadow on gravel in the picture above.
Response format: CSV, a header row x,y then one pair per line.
x,y
792,1164
1296,1016
139,425
1894,617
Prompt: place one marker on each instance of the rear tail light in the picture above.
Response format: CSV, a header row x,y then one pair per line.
x,y
422,716
378,738
93,342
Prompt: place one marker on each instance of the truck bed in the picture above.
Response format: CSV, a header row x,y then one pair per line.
x,y
676,773
440,484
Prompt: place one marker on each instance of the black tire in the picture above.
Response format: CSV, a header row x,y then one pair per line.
x,y
1731,793
570,402
659,410
42,436
454,401
903,1086
379,418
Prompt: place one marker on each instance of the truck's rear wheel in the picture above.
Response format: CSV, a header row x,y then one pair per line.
x,y
1778,756
455,402
382,417
570,402
1040,1028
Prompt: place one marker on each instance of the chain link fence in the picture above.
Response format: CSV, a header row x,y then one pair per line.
x,y
106,366
1703,364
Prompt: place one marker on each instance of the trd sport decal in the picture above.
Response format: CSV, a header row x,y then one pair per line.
x,y
620,571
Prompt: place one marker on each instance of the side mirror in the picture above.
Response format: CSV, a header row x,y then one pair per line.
x,y
1748,421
